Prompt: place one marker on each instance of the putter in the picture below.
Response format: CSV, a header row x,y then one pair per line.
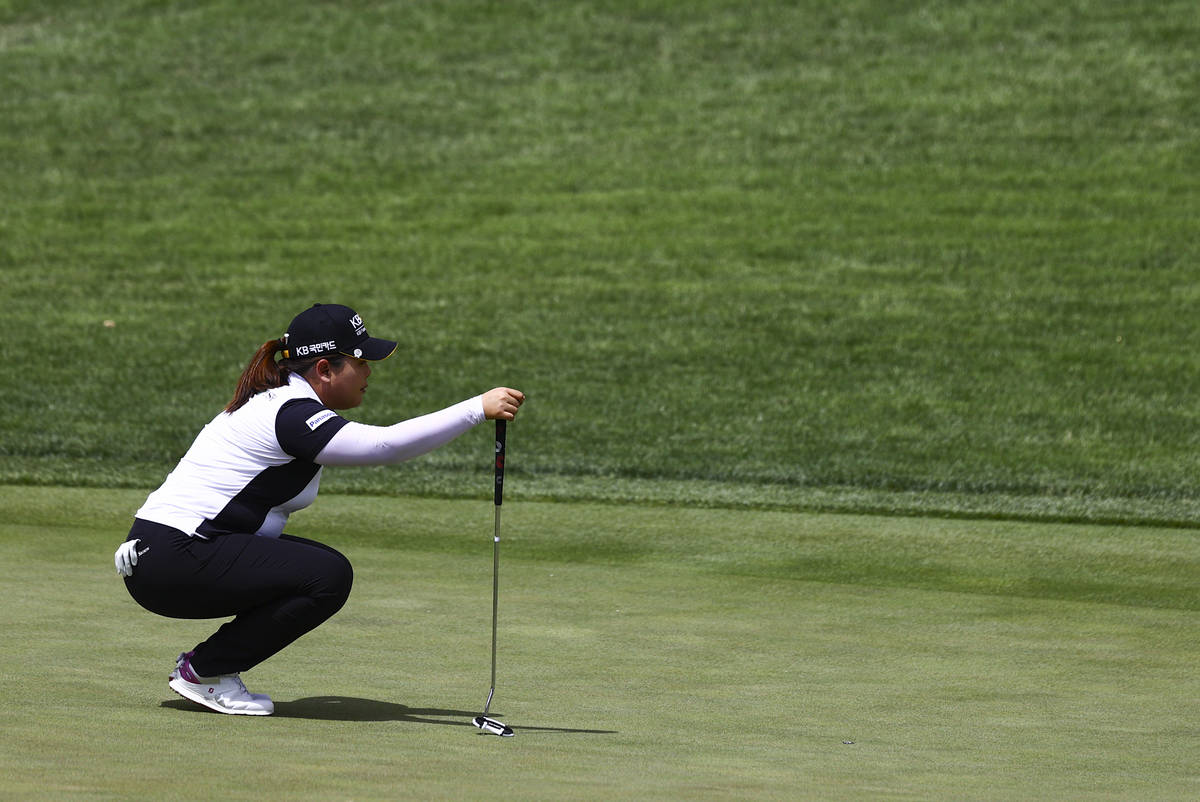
x,y
491,725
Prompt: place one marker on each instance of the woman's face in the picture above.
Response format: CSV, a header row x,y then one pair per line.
x,y
343,387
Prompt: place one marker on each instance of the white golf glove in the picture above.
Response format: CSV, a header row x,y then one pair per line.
x,y
126,557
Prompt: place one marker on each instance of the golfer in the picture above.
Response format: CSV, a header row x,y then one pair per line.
x,y
209,543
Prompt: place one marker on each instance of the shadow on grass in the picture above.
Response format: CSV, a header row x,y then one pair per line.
x,y
348,708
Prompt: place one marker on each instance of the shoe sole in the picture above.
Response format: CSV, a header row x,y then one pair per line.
x,y
192,696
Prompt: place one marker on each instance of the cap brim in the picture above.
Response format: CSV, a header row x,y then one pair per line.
x,y
374,349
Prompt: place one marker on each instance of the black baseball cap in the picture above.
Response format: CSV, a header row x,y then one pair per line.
x,y
328,329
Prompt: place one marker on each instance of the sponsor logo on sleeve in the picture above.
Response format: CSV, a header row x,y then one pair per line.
x,y
319,418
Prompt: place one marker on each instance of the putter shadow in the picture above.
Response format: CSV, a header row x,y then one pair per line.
x,y
349,708
519,728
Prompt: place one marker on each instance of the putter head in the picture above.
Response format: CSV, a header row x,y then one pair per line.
x,y
490,725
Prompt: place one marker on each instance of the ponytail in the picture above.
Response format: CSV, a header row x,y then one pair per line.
x,y
263,373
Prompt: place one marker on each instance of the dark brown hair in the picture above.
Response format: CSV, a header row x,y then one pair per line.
x,y
264,373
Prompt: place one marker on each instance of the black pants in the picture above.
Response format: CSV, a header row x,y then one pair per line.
x,y
277,589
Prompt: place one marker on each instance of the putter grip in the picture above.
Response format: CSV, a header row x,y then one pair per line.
x,y
500,436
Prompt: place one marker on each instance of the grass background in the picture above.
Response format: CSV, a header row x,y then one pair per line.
x,y
935,253
750,261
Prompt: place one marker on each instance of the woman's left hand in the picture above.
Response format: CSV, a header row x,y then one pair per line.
x,y
126,557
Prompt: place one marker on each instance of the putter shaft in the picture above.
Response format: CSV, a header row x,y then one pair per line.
x,y
495,604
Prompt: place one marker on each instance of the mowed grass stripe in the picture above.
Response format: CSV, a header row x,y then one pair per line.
x,y
1134,566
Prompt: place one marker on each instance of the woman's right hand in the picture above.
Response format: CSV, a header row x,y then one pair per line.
x,y
502,403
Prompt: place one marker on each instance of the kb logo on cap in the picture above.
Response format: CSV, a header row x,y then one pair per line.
x,y
327,328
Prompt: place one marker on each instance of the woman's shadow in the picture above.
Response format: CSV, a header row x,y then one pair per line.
x,y
349,708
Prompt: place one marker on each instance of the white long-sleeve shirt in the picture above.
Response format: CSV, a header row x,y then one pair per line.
x,y
249,469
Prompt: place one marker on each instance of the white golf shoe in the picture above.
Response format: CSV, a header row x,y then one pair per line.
x,y
225,694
